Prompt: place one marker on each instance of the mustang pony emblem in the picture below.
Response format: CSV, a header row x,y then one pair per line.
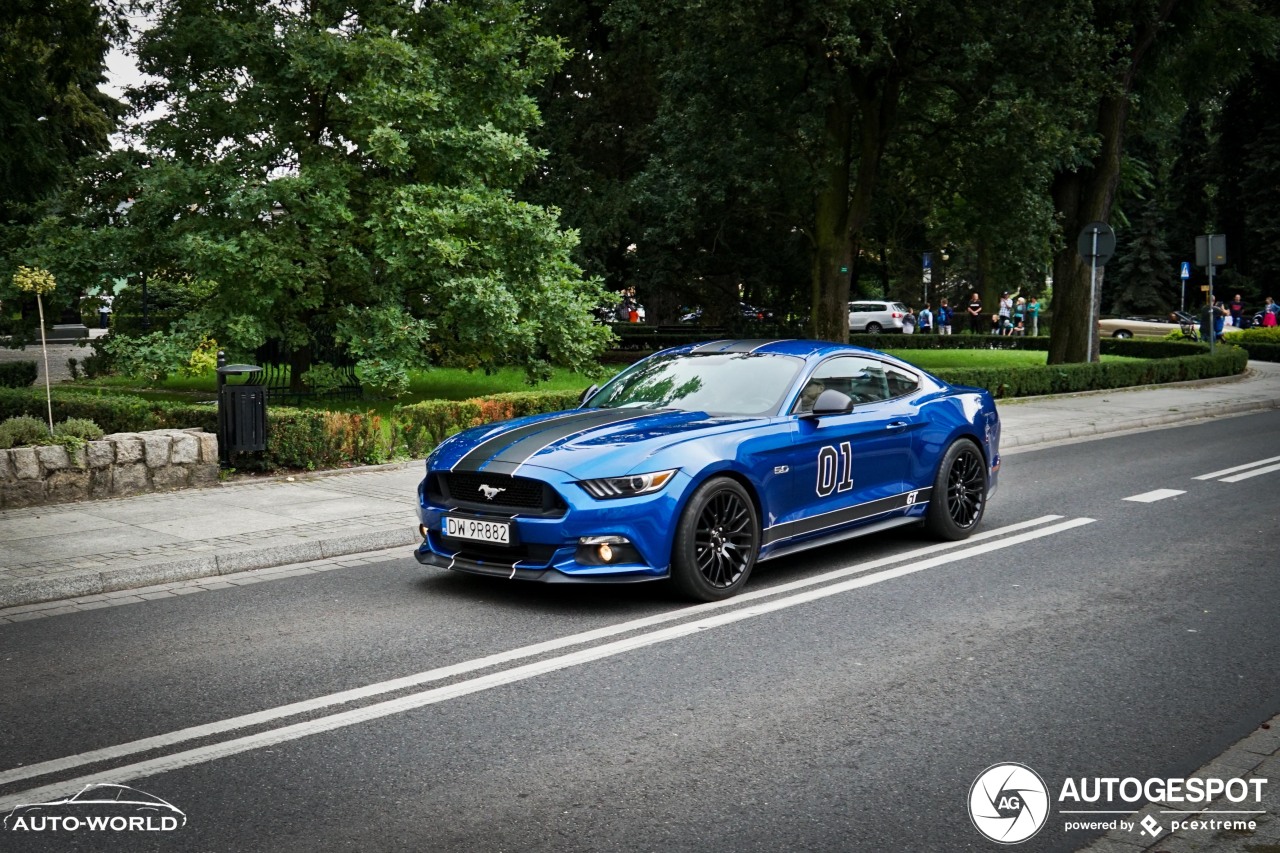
x,y
490,492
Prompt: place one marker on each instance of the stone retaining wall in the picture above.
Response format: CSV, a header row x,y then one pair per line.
x,y
125,463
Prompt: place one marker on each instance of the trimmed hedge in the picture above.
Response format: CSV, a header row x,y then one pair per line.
x,y
1074,378
114,413
17,374
421,426
310,439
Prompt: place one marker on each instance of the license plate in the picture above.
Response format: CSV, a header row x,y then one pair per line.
x,y
478,530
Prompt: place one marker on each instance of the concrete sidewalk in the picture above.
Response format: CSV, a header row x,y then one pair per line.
x,y
85,550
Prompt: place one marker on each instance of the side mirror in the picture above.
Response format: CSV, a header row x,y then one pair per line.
x,y
586,395
832,402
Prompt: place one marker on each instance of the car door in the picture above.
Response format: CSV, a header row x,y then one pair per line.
x,y
847,469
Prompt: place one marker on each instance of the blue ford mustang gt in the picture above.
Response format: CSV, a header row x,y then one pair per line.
x,y
698,461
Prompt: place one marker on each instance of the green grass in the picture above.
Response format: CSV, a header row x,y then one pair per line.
x,y
942,359
442,383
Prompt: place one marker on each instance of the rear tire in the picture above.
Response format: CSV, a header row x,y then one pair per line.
x,y
1122,334
959,495
874,328
717,540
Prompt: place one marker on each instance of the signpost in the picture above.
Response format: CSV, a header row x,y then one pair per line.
x,y
928,273
1186,274
1096,244
1211,252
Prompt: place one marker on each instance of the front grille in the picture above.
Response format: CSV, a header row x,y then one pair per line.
x,y
472,490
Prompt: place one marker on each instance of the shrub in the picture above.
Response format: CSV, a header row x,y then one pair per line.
x,y
17,374
81,428
114,413
310,439
421,426
23,430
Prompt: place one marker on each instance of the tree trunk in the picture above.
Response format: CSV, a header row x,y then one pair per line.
x,y
842,208
1082,197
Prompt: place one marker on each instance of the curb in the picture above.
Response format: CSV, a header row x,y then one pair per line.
x,y
22,591
1146,422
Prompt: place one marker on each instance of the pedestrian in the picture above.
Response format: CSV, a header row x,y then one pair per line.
x,y
1270,313
1019,311
1005,311
1220,314
104,311
944,317
1033,311
1237,312
909,321
1019,327
633,312
926,319
974,309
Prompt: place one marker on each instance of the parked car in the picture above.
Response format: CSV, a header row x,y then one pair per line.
x,y
746,311
698,461
874,316
1138,327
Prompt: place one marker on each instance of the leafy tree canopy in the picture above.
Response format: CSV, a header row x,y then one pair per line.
x,y
346,169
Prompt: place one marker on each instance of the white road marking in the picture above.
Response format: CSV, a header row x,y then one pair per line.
x,y
271,714
1157,495
1270,469
412,701
1216,474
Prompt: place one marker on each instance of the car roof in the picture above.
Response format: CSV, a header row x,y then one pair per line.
x,y
806,349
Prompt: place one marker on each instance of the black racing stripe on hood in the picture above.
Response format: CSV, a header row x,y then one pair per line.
x,y
520,452
546,431
477,455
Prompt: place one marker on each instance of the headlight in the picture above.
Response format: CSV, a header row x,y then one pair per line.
x,y
627,487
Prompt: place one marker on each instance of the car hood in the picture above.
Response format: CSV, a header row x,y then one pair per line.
x,y
582,443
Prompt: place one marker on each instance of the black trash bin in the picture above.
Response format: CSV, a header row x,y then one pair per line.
x,y
242,412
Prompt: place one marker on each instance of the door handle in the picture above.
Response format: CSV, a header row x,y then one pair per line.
x,y
896,426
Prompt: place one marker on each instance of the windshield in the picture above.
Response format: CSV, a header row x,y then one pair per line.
x,y
723,384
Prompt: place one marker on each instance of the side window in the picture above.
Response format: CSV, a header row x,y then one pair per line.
x,y
900,382
864,380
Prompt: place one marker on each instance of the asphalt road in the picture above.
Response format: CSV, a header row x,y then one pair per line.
x,y
847,702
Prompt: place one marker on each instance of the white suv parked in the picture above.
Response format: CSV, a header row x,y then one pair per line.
x,y
873,315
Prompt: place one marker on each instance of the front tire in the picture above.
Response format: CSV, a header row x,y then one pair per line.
x,y
716,543
959,492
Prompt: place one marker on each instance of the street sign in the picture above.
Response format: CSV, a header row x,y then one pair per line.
x,y
1097,243
1186,269
1211,247
928,260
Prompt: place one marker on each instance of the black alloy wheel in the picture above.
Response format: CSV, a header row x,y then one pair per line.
x,y
959,492
716,541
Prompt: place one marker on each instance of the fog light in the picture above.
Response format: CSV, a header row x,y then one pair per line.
x,y
422,531
605,551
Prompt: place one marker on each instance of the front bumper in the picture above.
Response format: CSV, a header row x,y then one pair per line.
x,y
548,548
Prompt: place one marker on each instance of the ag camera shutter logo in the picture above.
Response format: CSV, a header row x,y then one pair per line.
x,y
1008,803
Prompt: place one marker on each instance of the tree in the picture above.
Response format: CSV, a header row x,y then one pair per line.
x,y
1187,47
774,125
51,67
347,169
